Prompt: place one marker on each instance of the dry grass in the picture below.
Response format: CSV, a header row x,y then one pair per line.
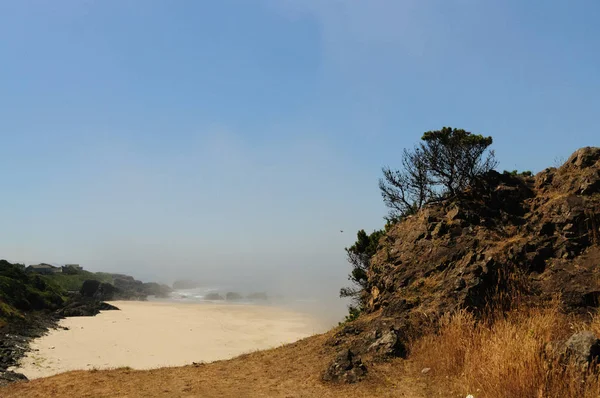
x,y
507,356
289,371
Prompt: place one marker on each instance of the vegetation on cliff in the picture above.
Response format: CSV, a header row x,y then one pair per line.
x,y
487,286
124,287
22,292
73,280
442,165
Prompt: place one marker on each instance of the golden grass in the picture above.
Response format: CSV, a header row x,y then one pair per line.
x,y
508,357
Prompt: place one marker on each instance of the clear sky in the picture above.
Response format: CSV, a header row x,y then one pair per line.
x,y
234,139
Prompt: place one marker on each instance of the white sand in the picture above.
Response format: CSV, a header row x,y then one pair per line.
x,y
146,335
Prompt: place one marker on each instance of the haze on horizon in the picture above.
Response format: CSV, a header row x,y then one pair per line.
x,y
231,141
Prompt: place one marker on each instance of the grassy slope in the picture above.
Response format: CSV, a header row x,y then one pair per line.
x,y
289,371
75,281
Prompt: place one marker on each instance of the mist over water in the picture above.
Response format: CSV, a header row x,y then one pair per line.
x,y
308,282
327,309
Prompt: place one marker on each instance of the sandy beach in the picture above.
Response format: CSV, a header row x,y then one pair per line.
x,y
145,335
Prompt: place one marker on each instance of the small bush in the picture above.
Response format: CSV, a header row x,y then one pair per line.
x,y
353,314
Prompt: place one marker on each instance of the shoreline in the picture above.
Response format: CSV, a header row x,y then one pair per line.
x,y
16,339
153,334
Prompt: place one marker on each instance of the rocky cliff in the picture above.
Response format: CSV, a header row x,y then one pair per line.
x,y
532,237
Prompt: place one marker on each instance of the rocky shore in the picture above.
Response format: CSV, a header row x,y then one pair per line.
x,y
16,335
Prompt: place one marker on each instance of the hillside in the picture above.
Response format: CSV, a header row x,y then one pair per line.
x,y
125,287
535,238
27,309
483,293
22,292
74,280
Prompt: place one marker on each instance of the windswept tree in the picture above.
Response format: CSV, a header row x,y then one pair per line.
x,y
445,163
359,256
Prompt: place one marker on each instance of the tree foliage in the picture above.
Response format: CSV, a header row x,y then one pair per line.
x,y
443,164
359,256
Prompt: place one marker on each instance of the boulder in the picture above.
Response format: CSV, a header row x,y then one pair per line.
x,y
9,376
388,345
105,291
89,288
583,348
232,296
346,368
84,306
213,296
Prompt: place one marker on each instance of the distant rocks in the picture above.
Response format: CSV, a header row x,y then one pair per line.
x,y
156,289
232,296
213,297
124,287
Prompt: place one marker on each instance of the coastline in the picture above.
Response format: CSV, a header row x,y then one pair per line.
x,y
153,334
16,339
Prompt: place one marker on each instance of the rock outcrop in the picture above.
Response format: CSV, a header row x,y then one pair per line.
x,y
537,235
84,306
583,348
347,368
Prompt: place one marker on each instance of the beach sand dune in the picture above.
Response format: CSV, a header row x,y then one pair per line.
x,y
146,335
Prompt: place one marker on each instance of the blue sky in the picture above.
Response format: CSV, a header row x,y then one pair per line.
x,y
235,138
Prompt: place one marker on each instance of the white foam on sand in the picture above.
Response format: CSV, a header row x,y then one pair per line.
x,y
145,335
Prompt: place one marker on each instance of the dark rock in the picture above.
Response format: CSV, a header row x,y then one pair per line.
x,y
388,345
105,291
15,338
547,228
460,284
232,296
89,288
584,157
583,348
440,229
350,330
346,368
156,290
9,376
84,306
